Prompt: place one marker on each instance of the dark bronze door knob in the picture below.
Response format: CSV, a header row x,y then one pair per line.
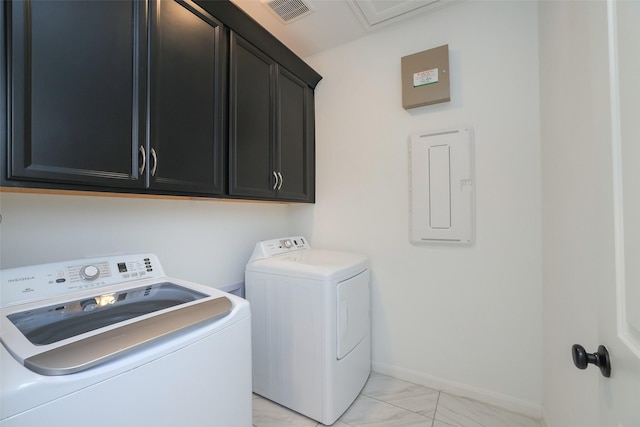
x,y
601,359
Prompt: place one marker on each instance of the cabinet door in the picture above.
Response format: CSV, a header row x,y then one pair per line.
x,y
296,146
77,91
251,121
186,95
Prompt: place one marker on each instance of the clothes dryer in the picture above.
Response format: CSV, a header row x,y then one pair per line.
x,y
311,342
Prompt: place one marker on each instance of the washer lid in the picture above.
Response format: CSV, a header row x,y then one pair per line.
x,y
312,264
60,336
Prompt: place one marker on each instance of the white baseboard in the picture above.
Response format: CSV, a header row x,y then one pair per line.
x,y
509,403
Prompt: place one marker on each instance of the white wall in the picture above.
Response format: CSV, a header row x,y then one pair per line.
x,y
202,241
465,318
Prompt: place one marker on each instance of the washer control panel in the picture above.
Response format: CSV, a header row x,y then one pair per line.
x,y
269,248
24,284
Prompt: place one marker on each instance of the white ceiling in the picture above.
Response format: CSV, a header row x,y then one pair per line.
x,y
335,22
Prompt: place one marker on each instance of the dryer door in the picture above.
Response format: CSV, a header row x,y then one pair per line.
x,y
353,312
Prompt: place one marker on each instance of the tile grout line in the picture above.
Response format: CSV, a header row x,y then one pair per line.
x,y
435,410
400,407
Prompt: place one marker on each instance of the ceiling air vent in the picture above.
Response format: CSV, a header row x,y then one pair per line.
x,y
378,13
288,10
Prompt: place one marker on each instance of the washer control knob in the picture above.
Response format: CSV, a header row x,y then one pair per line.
x,y
89,305
89,272
287,244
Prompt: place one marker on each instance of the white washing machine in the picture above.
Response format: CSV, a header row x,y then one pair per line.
x,y
311,337
113,342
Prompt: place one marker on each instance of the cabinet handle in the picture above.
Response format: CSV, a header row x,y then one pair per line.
x,y
281,180
154,157
142,158
275,184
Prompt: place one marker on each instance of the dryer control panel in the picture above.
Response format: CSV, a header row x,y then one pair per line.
x,y
24,284
269,248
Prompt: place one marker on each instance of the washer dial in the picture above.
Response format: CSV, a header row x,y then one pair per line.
x,y
89,272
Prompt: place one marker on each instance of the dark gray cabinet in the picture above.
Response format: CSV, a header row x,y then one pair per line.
x,y
76,93
271,131
295,120
251,121
185,99
80,111
154,97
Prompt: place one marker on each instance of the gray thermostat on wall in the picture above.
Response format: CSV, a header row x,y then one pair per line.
x,y
425,77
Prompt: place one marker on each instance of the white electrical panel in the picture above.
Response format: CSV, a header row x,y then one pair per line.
x,y
441,190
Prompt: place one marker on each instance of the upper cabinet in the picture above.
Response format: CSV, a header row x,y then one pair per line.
x,y
295,124
81,72
271,128
175,97
251,121
77,91
186,98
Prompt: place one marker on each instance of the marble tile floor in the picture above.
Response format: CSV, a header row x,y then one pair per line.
x,y
388,402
